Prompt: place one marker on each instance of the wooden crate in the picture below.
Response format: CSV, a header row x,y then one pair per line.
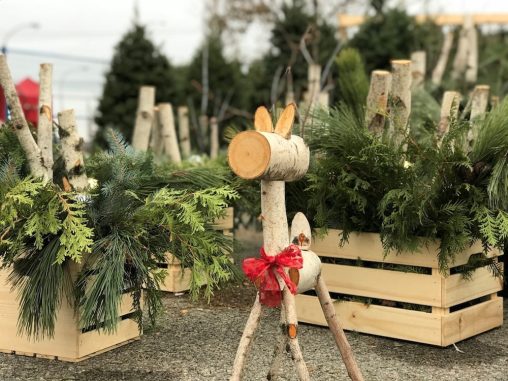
x,y
70,342
178,279
443,309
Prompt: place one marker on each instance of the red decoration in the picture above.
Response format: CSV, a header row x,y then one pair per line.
x,y
263,272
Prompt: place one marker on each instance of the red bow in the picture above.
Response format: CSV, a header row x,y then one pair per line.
x,y
262,271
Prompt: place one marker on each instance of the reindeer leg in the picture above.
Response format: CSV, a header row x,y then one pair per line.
x,y
338,333
280,345
292,329
246,341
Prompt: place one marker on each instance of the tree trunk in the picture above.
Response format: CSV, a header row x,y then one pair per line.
x,y
472,57
169,137
214,138
183,129
401,95
377,100
451,100
438,72
45,122
156,142
19,123
418,68
479,103
461,56
144,118
72,150
338,333
279,349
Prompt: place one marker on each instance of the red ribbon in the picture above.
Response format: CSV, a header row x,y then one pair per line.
x,y
263,272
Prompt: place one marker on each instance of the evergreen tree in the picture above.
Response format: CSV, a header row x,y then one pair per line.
x,y
136,62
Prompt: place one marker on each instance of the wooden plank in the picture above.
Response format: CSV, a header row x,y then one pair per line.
x,y
225,223
383,284
95,341
459,290
348,21
368,247
177,279
471,321
377,320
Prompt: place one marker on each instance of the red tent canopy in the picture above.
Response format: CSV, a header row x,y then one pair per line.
x,y
28,92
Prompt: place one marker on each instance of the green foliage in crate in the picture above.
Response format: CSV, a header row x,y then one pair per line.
x,y
117,232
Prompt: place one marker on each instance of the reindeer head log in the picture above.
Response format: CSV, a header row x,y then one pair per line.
x,y
270,155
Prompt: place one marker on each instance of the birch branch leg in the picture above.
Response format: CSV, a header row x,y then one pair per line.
x,y
338,333
45,124
246,341
280,346
19,123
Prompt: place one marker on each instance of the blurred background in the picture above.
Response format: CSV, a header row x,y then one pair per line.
x,y
223,58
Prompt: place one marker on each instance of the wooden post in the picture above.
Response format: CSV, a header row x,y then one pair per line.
x,y
214,138
72,150
156,141
401,96
183,130
418,68
451,100
169,137
19,123
438,72
144,118
377,100
479,103
45,122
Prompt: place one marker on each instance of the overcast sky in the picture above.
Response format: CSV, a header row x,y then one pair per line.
x,y
91,29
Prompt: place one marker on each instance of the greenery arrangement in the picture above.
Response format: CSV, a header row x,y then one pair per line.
x,y
113,235
362,182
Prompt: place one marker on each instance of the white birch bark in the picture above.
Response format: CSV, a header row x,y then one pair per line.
x,y
19,123
472,57
72,150
183,131
438,72
449,108
377,100
418,68
214,138
401,96
156,142
169,137
461,56
479,103
45,122
144,118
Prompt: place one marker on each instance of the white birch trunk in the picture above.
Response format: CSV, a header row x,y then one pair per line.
x,y
438,72
203,126
377,100
45,122
156,142
461,56
183,131
72,150
450,103
268,156
214,138
144,118
280,347
19,123
169,137
472,57
479,103
401,95
418,68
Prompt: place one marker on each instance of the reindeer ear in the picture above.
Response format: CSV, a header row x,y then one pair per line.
x,y
285,122
263,120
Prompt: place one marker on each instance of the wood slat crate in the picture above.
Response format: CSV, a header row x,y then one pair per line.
x,y
415,303
70,342
178,279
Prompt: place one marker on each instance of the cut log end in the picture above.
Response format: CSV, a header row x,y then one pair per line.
x,y
249,155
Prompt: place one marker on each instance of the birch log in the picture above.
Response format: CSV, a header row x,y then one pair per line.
x,y
377,100
438,72
338,332
460,61
214,138
418,68
246,341
401,96
494,101
472,56
479,103
169,137
203,127
19,123
279,349
183,131
144,118
156,142
314,82
449,108
72,150
45,121
256,155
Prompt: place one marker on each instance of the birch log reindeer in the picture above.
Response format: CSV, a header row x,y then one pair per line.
x,y
274,156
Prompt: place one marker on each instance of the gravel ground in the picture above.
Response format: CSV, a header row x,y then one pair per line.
x,y
198,342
